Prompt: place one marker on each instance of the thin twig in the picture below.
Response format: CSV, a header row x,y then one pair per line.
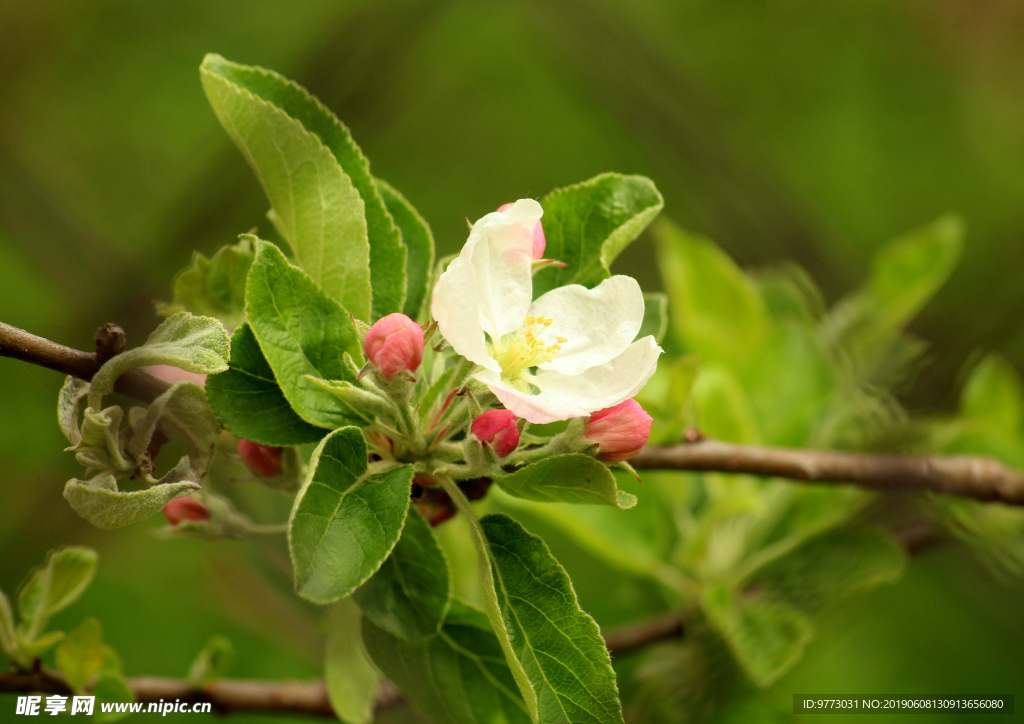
x,y
970,477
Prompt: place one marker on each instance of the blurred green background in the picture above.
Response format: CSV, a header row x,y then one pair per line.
x,y
784,130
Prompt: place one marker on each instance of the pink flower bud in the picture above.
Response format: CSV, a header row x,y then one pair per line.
x,y
169,373
186,508
539,242
394,343
260,459
498,429
619,431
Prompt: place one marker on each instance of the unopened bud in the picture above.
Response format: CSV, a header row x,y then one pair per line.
x,y
620,431
186,508
393,344
261,459
169,373
498,429
539,242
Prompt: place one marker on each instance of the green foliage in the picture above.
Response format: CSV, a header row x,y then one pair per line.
x,y
408,596
587,225
249,402
213,287
54,587
419,244
302,331
100,502
345,521
570,478
212,663
351,679
82,654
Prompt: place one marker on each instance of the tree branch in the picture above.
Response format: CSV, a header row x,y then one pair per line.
x,y
970,477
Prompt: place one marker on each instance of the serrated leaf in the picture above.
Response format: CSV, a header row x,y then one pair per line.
x,y
345,521
588,224
183,414
196,344
570,478
213,287
655,321
457,676
715,310
560,647
212,663
408,596
419,245
301,331
100,502
54,587
111,688
352,681
80,655
70,403
766,636
248,401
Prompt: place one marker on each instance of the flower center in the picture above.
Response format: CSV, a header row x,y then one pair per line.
x,y
526,350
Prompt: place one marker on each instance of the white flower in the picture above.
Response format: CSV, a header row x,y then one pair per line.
x,y
567,354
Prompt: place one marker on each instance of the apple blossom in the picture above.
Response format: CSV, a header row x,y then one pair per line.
x,y
260,459
567,354
620,431
393,344
539,242
186,508
498,429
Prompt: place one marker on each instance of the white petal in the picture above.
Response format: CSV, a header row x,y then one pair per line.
x,y
538,409
604,385
599,323
455,306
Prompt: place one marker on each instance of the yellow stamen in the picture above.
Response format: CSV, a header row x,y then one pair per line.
x,y
525,350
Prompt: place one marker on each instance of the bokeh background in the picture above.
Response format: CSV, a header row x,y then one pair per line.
x,y
783,130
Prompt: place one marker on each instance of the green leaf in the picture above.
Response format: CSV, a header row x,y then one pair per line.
x,y
111,688
352,681
301,331
721,407
560,647
457,676
213,287
80,656
587,225
766,636
248,401
196,344
655,316
570,478
40,645
212,663
419,244
54,587
8,639
70,402
408,596
183,414
100,502
716,310
993,395
345,521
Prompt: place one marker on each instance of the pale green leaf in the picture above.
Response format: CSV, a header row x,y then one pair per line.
x,y
993,395
100,502
54,587
408,596
559,646
212,663
8,639
352,681
70,402
248,401
345,521
457,676
110,688
655,321
301,331
41,644
721,407
80,655
588,224
570,478
213,287
419,244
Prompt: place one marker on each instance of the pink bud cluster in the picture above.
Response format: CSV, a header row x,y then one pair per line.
x,y
498,429
620,431
394,344
539,242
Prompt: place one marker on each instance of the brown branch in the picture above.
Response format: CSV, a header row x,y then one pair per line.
x,y
970,477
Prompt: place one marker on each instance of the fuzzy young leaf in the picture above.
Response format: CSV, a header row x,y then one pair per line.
x,y
196,344
54,587
655,316
352,682
408,596
457,676
70,402
183,414
213,287
301,331
100,502
587,225
560,647
344,522
248,401
212,663
419,244
571,478
80,655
